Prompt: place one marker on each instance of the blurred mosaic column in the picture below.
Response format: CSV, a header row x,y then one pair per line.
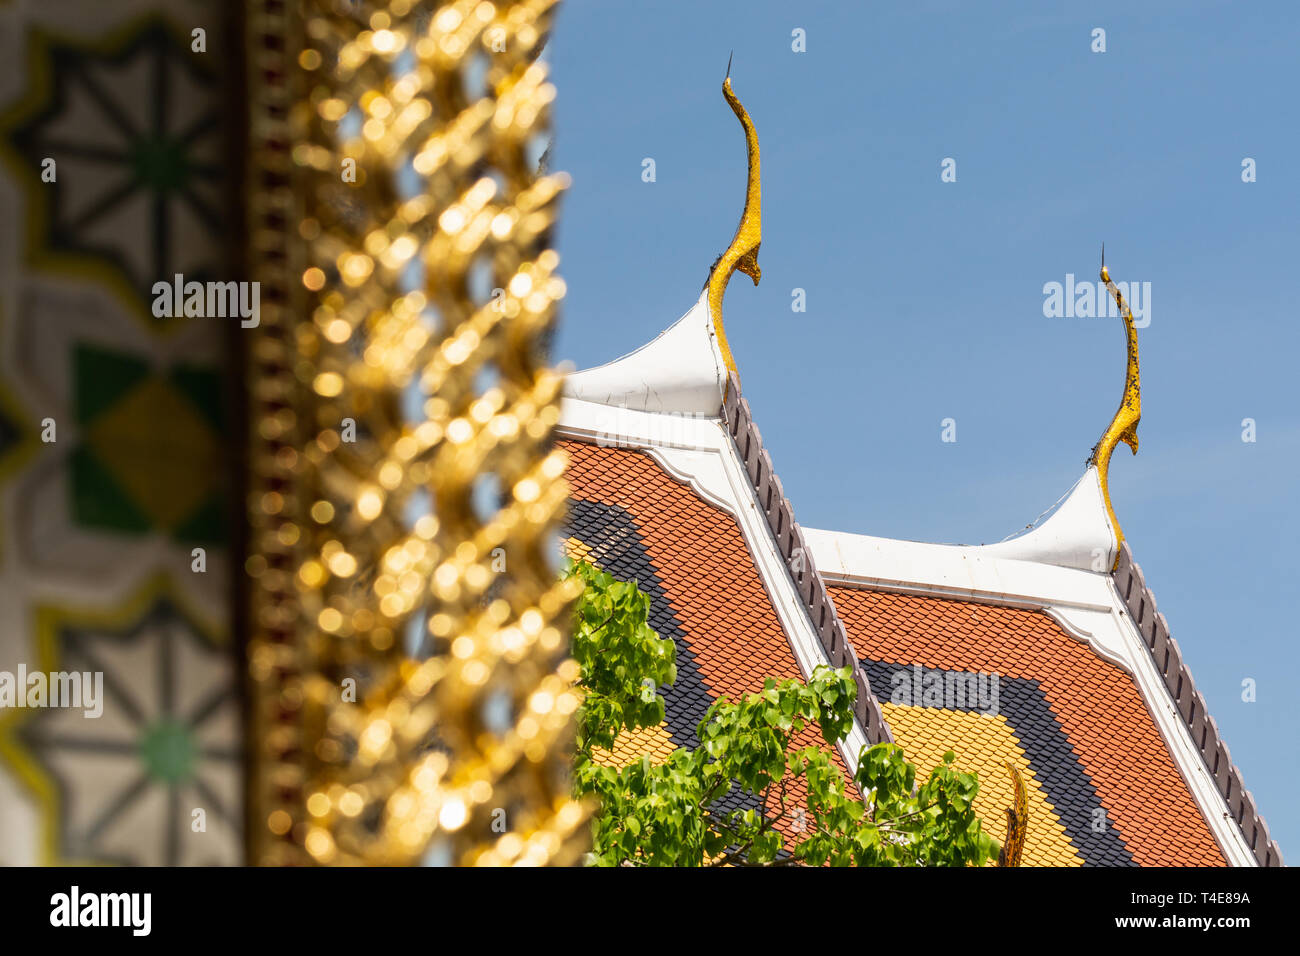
x,y
410,690
115,511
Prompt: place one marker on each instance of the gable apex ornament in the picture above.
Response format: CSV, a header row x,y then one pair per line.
x,y
742,253
1123,426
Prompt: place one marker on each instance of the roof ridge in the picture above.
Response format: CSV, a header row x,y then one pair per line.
x,y
798,558
1191,707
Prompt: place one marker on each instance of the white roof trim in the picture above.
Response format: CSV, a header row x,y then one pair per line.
x,y
956,571
1077,535
681,370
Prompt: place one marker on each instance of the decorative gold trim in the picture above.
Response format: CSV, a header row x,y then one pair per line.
x,y
1123,427
274,797
742,254
412,697
1017,820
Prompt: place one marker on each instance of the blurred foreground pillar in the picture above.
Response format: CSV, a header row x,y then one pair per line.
x,y
409,696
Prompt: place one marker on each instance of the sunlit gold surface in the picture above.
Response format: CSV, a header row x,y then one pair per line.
x,y
742,254
405,490
1017,820
1123,427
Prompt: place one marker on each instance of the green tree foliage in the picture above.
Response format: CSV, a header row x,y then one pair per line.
x,y
667,814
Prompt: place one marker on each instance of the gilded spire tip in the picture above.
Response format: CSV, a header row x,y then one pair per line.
x,y
1123,426
742,254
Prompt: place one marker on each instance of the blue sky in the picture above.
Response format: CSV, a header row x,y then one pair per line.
x,y
925,299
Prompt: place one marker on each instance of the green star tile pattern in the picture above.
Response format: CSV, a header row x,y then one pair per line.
x,y
126,783
128,171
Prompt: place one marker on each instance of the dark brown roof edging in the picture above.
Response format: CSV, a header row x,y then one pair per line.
x,y
798,558
1189,702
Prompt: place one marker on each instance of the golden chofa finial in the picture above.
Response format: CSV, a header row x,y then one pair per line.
x,y
1123,427
742,254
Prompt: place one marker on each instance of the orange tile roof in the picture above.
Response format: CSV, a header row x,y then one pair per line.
x,y
636,521
1097,707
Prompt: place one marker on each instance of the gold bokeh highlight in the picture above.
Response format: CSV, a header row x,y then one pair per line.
x,y
405,665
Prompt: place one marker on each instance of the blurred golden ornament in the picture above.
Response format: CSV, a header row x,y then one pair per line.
x,y
407,699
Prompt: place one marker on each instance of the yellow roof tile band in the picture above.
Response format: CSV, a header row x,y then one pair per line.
x,y
982,743
575,550
652,742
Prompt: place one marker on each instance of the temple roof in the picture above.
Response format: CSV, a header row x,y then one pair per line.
x,y
1044,650
689,505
